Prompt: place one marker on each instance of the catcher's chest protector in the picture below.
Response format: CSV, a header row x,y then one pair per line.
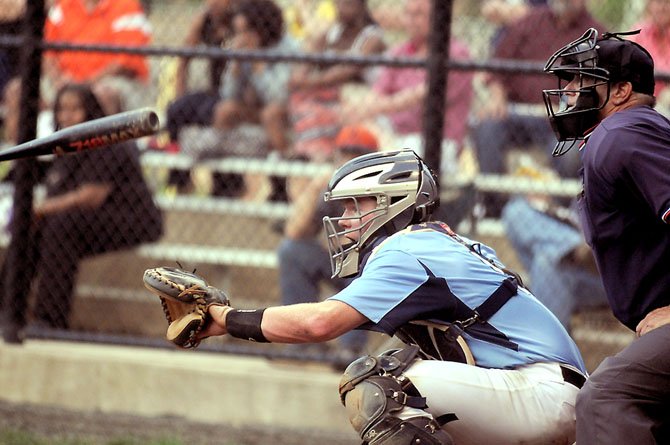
x,y
437,341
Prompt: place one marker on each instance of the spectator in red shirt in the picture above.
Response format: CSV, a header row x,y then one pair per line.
x,y
114,22
513,114
398,93
655,37
316,90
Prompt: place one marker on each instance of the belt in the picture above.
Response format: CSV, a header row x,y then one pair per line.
x,y
572,377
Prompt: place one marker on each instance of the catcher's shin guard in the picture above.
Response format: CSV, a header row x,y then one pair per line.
x,y
370,407
413,431
374,391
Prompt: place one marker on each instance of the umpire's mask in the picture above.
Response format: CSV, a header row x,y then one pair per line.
x,y
583,65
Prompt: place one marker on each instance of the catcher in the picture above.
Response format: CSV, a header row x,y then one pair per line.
x,y
485,361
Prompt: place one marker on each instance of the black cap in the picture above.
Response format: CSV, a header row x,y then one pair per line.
x,y
627,61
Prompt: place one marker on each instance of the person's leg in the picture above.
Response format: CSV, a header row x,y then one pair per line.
x,y
195,108
302,266
532,404
274,120
230,113
553,286
535,232
627,398
65,240
540,242
517,215
57,270
490,138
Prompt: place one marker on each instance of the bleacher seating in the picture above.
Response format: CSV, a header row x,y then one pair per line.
x,y
236,263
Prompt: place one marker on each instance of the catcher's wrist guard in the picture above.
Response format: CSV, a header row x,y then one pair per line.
x,y
186,298
246,324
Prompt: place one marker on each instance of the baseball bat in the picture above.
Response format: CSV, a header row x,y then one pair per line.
x,y
89,135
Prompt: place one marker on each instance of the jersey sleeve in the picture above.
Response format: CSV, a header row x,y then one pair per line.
x,y
131,27
388,279
647,172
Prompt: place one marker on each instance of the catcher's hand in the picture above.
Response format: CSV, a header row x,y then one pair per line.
x,y
185,298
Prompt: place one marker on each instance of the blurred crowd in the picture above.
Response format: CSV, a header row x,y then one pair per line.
x,y
295,110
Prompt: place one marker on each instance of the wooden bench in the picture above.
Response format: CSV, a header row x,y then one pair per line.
x,y
255,267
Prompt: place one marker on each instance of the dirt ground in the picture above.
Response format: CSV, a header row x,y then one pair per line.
x,y
99,428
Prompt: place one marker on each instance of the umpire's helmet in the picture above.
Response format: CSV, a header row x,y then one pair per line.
x,y
406,192
593,61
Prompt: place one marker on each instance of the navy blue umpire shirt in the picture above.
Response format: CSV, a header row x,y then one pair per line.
x,y
625,209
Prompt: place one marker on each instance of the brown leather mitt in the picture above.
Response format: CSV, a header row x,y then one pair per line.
x,y
185,298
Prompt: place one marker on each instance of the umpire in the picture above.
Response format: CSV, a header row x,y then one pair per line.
x,y
604,104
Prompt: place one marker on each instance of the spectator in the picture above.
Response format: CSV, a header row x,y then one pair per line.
x,y
316,90
256,91
503,13
96,202
11,16
655,37
513,112
398,93
10,131
252,93
117,22
11,101
549,243
211,27
304,262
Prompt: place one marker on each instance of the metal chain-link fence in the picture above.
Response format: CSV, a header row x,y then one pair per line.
x,y
257,99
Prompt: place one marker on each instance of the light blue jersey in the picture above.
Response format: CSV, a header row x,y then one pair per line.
x,y
423,273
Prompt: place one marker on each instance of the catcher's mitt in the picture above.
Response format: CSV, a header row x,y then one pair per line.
x,y
185,298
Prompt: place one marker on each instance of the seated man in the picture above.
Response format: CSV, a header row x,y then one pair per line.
x,y
316,90
513,114
303,259
90,22
551,247
211,27
486,362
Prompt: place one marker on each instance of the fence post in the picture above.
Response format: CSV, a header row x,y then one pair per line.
x,y
434,103
17,268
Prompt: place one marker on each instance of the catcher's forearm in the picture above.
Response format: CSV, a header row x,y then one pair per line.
x,y
245,324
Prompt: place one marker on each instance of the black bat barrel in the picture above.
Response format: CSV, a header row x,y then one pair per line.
x,y
89,135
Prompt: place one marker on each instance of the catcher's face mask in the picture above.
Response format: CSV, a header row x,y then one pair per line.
x,y
573,107
403,191
346,234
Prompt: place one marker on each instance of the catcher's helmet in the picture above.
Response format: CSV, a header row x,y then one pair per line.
x,y
406,193
593,61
